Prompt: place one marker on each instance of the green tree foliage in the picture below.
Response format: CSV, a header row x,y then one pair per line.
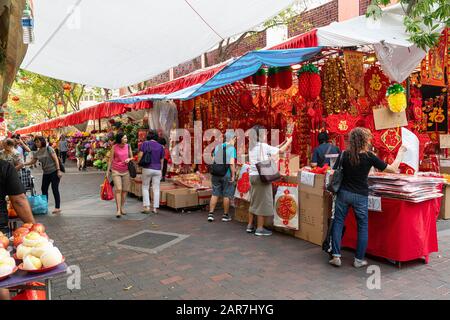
x,y
422,18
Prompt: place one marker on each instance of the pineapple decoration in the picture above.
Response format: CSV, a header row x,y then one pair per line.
x,y
396,98
260,77
309,82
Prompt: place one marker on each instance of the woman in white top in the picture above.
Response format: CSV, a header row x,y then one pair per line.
x,y
261,202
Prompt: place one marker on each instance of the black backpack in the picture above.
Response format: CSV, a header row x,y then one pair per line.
x,y
146,159
61,166
220,169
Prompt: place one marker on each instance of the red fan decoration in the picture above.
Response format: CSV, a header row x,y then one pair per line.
x,y
375,85
284,77
309,82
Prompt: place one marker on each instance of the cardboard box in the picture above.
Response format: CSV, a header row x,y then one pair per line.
x,y
386,119
182,198
294,165
241,211
318,184
315,211
164,187
445,203
204,196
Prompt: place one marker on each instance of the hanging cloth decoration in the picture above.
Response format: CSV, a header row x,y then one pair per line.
x,y
341,124
286,206
246,100
387,141
354,64
243,183
396,98
309,82
375,85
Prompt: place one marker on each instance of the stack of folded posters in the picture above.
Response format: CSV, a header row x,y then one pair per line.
x,y
415,189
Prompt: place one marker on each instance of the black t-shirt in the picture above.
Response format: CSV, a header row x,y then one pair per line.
x,y
355,177
9,185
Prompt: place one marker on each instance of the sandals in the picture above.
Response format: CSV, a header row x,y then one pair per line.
x,y
56,211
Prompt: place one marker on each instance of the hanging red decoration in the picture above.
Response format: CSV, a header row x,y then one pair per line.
x,y
67,87
246,100
309,82
243,184
375,85
260,78
248,80
272,77
60,103
341,124
188,105
15,99
284,77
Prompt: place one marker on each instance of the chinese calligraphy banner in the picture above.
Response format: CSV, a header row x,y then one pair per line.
x,y
433,66
354,64
435,108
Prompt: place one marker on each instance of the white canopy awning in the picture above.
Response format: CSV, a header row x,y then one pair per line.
x,y
116,43
398,56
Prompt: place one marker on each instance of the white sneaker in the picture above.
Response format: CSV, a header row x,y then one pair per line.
x,y
336,261
360,263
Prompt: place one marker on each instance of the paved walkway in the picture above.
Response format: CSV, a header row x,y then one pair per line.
x,y
217,261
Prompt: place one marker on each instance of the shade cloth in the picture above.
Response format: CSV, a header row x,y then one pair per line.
x,y
404,231
115,43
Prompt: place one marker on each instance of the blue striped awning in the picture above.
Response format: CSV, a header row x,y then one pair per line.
x,y
236,70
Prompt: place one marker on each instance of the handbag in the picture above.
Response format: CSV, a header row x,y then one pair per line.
x,y
131,165
220,169
61,166
38,204
106,191
267,169
337,177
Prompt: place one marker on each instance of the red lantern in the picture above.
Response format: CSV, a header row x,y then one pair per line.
x,y
309,82
260,78
67,87
60,103
284,77
272,78
15,99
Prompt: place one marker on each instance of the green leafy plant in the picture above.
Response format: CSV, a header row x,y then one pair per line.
x,y
422,19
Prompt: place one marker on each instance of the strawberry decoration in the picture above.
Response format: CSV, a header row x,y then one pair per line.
x,y
309,82
260,78
284,77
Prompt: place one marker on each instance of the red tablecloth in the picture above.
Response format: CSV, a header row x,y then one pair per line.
x,y
404,231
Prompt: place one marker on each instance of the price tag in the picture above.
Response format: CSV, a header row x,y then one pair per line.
x,y
375,204
307,178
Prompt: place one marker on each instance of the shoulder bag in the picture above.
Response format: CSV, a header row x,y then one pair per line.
x,y
337,177
131,165
267,169
61,166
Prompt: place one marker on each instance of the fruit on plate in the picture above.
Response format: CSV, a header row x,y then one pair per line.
x,y
18,240
33,239
21,231
4,242
6,267
51,257
40,250
27,225
32,263
4,253
22,251
38,227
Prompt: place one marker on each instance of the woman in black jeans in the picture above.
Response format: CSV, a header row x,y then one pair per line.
x,y
52,173
357,162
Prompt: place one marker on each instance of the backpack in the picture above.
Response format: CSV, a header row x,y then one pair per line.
x,y
220,169
146,159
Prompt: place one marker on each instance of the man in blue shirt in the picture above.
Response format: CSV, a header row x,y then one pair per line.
x,y
223,186
325,148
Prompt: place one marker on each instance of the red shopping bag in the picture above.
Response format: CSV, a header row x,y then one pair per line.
x,y
29,294
106,191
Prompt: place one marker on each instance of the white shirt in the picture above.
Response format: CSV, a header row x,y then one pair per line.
x,y
255,155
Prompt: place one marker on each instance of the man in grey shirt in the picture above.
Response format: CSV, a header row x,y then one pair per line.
x,y
63,148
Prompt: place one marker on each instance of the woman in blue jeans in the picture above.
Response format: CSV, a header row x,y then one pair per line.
x,y
354,191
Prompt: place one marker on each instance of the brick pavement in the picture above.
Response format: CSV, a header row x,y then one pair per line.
x,y
218,261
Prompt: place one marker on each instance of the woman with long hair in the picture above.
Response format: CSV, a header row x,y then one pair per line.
x,y
121,154
152,171
357,161
52,172
261,200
